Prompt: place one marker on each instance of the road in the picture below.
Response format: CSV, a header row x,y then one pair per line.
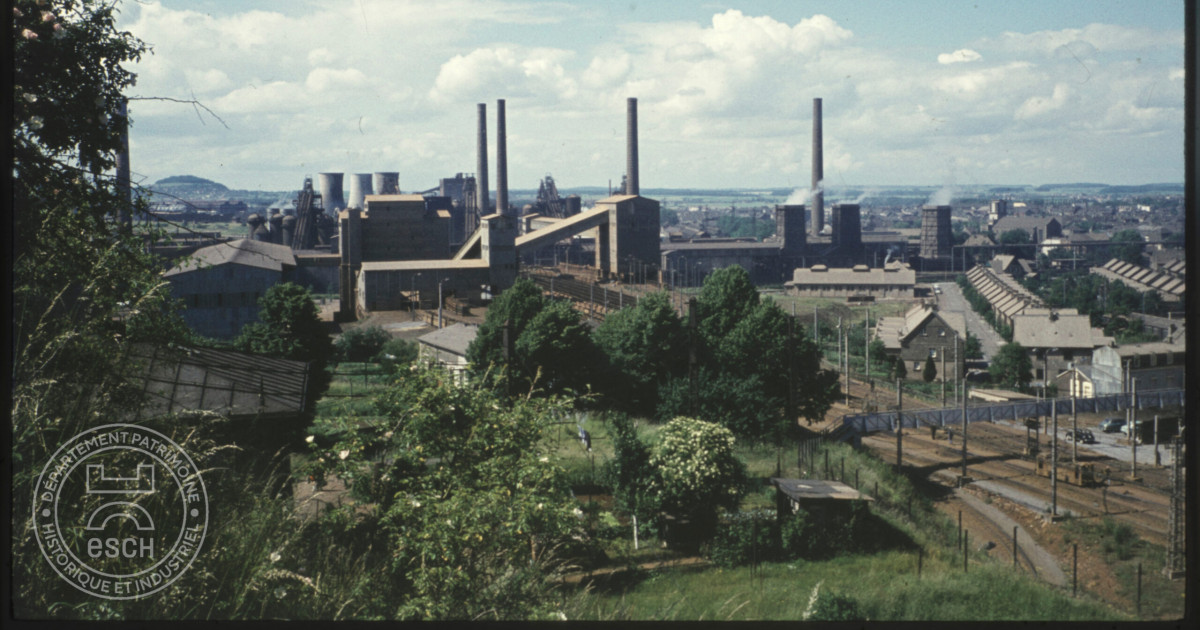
x,y
952,300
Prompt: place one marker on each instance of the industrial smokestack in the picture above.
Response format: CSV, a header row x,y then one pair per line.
x,y
360,187
386,183
330,185
631,148
125,215
818,172
501,160
481,174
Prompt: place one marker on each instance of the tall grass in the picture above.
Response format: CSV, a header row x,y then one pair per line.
x,y
884,587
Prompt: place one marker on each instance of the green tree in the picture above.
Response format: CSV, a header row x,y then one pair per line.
x,y
517,306
558,346
471,500
929,373
645,346
361,343
727,298
697,472
1011,367
738,403
973,349
899,370
397,353
289,327
1127,246
629,470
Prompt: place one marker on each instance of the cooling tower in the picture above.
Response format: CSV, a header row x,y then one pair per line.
x,y
386,183
501,161
481,174
818,172
330,185
631,148
360,187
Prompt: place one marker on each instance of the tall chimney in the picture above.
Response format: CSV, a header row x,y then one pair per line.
x,y
631,148
481,174
125,214
818,172
501,160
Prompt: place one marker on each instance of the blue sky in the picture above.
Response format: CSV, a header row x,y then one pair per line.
x,y
914,93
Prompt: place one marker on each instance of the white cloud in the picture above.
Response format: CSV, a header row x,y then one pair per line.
x,y
503,71
1038,105
962,55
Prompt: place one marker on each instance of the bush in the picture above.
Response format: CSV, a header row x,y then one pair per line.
x,y
361,344
744,536
397,353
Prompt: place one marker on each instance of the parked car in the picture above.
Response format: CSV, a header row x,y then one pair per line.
x,y
1081,435
1112,425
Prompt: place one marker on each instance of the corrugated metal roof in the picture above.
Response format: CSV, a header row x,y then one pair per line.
x,y
880,277
234,384
242,251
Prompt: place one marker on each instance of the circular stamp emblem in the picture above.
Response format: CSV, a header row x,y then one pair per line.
x,y
120,511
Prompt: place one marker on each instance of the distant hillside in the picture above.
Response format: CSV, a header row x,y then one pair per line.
x,y
190,187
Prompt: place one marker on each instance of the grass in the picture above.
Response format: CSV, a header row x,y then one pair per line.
x,y
884,586
1123,550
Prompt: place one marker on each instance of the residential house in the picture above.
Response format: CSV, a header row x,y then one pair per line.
x,y
925,332
447,347
1056,339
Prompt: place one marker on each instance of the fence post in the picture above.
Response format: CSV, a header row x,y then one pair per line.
x,y
1014,546
959,542
1074,569
966,536
1139,590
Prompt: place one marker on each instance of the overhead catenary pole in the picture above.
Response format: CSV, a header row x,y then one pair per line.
x,y
1054,461
899,424
964,432
1074,425
1133,429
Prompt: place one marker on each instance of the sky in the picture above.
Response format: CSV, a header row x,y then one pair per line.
x,y
920,93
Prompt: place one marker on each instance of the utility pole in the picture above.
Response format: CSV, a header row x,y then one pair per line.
x,y
1133,430
1175,565
1074,424
693,360
1054,462
963,478
943,377
899,424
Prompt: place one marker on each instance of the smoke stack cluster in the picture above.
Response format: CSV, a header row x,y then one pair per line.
x,y
818,171
631,148
501,160
481,173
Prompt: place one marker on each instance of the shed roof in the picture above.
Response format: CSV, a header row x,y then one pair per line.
x,y
817,489
454,339
242,251
1065,331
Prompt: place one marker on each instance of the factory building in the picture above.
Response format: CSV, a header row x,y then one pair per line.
x,y
220,285
894,280
388,264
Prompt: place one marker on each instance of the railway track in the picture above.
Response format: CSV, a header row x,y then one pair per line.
x,y
991,458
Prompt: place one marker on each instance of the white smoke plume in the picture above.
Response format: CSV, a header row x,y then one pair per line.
x,y
942,197
798,197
